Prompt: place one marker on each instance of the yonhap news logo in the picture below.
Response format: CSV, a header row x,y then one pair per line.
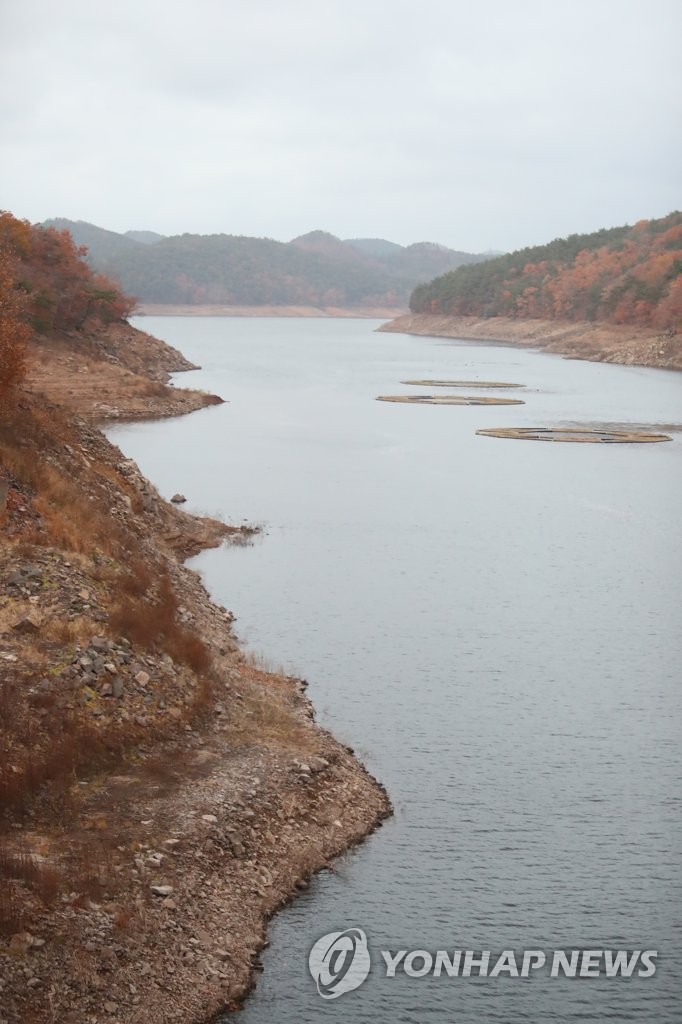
x,y
340,962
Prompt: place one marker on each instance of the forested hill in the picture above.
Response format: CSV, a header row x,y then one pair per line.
x,y
316,269
624,275
46,285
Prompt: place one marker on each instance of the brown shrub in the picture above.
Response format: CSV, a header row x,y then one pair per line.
x,y
138,580
154,621
190,649
18,865
37,754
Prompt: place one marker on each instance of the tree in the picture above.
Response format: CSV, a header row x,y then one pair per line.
x,y
14,331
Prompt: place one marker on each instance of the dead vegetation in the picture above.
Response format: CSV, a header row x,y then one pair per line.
x,y
137,746
87,553
91,571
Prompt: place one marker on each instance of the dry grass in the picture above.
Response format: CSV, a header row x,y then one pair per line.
x,y
149,618
49,751
266,717
138,579
68,632
69,517
254,659
19,867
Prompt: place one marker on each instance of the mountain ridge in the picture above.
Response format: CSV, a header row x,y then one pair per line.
x,y
316,269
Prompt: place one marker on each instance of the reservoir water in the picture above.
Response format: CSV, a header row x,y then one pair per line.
x,y
493,625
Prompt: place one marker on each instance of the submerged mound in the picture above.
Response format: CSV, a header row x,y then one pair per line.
x,y
462,384
449,400
584,435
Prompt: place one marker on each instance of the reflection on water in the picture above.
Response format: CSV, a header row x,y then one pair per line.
x,y
494,626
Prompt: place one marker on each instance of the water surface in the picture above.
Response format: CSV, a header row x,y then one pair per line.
x,y
494,626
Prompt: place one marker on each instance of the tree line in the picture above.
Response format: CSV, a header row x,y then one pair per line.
x,y
46,285
623,275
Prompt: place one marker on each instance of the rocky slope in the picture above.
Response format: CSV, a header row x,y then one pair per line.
x,y
112,372
160,796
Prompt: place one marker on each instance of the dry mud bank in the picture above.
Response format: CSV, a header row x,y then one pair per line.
x,y
367,312
606,343
111,373
160,797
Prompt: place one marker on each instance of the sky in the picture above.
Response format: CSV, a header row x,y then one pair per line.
x,y
479,125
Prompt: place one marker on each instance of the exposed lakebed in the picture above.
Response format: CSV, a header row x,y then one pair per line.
x,y
495,628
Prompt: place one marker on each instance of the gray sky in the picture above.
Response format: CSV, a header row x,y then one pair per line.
x,y
480,124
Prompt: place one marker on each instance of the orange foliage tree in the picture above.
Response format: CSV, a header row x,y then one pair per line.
x,y
629,275
60,289
14,332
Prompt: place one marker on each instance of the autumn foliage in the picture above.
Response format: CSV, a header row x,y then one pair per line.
x,y
628,275
14,332
46,285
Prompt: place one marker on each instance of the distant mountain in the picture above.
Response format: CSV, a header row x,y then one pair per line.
x,y
103,246
315,269
377,247
623,275
146,237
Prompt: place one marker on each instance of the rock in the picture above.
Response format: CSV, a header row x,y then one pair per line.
x,y
20,943
100,644
26,627
178,499
117,686
142,678
237,848
210,818
318,764
161,890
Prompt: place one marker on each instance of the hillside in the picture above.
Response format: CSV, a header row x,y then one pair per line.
x,y
623,276
314,270
160,797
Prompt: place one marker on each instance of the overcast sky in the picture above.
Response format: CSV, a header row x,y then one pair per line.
x,y
485,124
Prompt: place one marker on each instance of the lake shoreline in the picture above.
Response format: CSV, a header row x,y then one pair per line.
x,y
228,797
321,312
597,342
